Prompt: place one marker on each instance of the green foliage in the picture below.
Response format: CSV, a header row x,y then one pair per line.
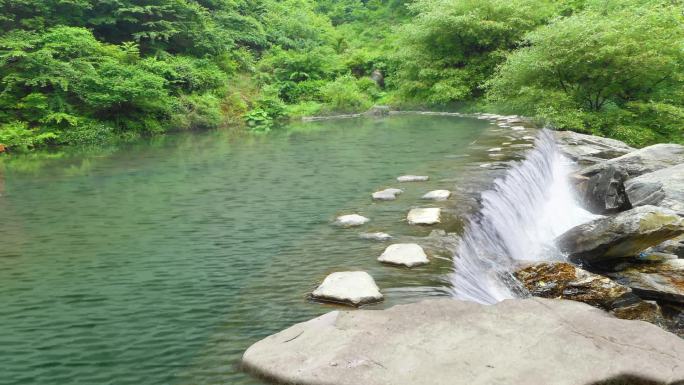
x,y
618,73
452,46
346,95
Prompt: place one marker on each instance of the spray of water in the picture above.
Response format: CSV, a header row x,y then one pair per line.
x,y
520,217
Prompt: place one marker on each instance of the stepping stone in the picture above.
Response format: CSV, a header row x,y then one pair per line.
x,y
424,216
495,149
518,128
388,194
348,287
375,236
406,254
351,220
438,195
413,178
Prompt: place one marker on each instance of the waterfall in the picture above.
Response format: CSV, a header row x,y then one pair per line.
x,y
519,219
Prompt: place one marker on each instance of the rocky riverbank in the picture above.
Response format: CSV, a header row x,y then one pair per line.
x,y
623,264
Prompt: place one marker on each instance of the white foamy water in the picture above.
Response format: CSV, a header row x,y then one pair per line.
x,y
520,218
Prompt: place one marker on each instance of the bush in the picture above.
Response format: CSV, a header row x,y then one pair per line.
x,y
345,95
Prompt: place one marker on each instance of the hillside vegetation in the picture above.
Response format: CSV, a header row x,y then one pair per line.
x,y
85,71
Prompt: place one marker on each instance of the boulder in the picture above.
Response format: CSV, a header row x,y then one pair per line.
x,y
405,254
378,78
623,235
564,280
413,178
351,220
605,192
379,236
378,111
452,342
438,195
643,161
388,194
424,216
664,188
674,246
589,149
348,287
659,281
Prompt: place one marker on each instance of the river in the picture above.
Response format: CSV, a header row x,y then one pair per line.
x,y
160,261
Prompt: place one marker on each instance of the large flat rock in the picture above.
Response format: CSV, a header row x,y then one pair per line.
x,y
451,342
589,149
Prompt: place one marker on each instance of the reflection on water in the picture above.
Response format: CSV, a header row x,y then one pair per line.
x,y
159,262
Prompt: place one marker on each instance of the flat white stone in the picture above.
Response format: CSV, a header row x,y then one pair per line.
x,y
438,195
388,194
518,128
351,220
424,216
379,236
349,287
495,149
413,178
406,254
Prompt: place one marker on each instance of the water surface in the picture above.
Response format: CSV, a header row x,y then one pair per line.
x,y
159,262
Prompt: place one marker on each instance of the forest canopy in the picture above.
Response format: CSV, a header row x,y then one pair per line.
x,y
85,71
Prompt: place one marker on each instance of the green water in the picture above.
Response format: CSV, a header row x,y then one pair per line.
x,y
159,262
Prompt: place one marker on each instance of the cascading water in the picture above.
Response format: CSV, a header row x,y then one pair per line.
x,y
519,219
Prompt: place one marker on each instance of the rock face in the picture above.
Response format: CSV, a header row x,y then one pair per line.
x,y
566,281
348,287
351,220
664,188
388,194
424,216
588,149
405,254
605,192
621,236
451,342
413,178
643,161
660,281
438,195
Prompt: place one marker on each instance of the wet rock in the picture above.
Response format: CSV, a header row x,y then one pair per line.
x,y
424,216
564,280
381,237
589,149
388,194
438,195
452,342
643,161
664,188
674,246
622,235
351,220
659,281
378,111
348,287
413,178
605,193
406,254
648,311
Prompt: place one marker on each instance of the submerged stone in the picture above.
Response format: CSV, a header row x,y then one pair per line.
x,y
623,235
413,178
438,195
388,194
406,254
379,236
351,220
424,216
349,287
452,342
